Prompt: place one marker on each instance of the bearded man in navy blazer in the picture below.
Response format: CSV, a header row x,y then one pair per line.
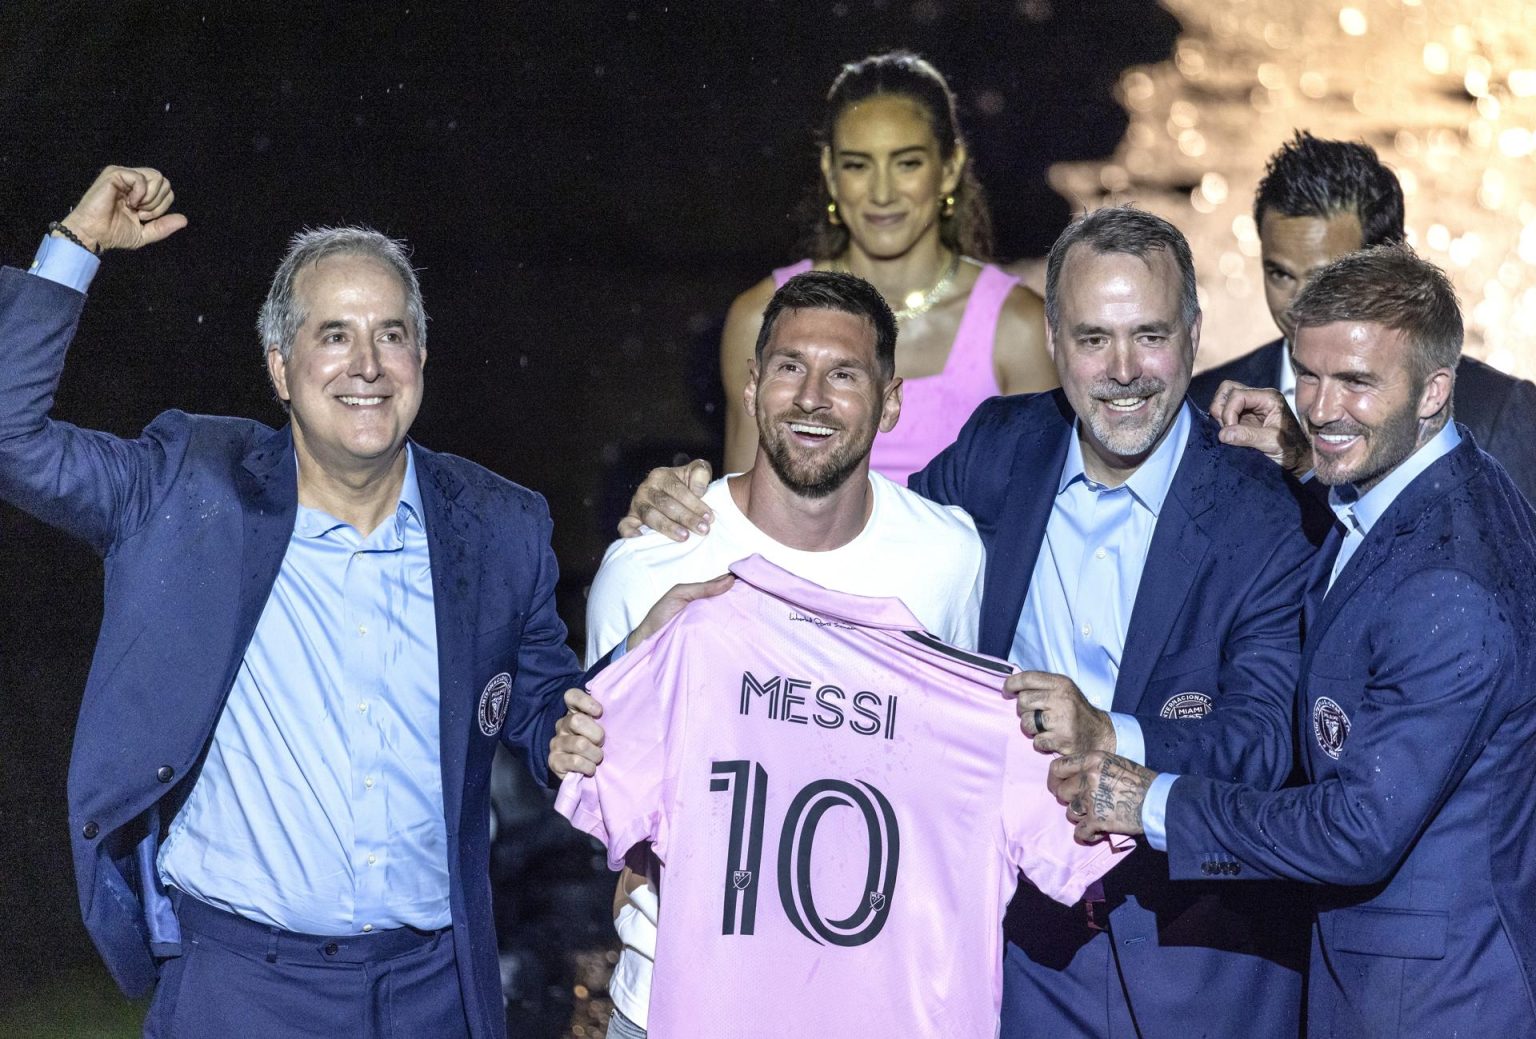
x,y
1417,708
314,639
1148,579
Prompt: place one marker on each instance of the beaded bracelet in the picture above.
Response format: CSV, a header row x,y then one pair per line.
x,y
67,233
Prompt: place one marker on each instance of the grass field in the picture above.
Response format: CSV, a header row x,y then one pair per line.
x,y
81,1003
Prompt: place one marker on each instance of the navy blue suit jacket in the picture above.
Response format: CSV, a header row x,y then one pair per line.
x,y
192,520
1217,614
1417,718
1499,409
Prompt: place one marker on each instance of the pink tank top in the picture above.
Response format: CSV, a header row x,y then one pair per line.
x,y
933,408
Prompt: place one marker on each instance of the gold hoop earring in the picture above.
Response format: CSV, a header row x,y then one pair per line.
x,y
832,217
947,207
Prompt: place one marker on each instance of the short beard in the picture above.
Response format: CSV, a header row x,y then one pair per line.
x,y
1134,442
815,483
1387,446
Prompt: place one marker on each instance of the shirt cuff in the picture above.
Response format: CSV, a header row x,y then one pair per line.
x,y
60,260
1129,742
1154,811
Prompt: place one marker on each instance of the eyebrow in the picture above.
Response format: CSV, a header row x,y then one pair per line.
x,y
1160,327
336,324
841,361
841,152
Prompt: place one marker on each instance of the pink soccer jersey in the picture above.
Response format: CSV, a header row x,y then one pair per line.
x,y
841,804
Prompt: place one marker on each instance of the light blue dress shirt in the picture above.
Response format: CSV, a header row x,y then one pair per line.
x,y
1083,588
1358,513
320,805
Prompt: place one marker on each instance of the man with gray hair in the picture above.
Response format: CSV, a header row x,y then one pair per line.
x,y
1147,581
1417,713
313,640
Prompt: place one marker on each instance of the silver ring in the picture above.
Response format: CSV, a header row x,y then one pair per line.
x,y
1077,809
1039,720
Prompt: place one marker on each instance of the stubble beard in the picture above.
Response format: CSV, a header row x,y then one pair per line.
x,y
1387,446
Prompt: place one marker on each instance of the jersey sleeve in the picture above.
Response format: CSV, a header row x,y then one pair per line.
x,y
1037,836
643,718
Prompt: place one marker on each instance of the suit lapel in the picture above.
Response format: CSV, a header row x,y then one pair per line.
x,y
455,604
1021,527
269,494
1401,517
1173,562
1263,365
1317,583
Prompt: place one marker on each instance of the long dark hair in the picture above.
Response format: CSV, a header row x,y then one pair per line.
x,y
968,230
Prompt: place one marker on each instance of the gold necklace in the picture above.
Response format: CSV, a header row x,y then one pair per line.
x,y
917,303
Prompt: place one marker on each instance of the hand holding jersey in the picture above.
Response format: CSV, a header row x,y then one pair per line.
x,y
800,762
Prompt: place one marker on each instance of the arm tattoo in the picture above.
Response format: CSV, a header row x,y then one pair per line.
x,y
1121,790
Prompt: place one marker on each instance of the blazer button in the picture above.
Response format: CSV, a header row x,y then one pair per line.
x,y
331,948
164,773
1205,867
90,831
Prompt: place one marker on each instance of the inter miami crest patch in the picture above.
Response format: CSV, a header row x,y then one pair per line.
x,y
1186,705
493,703
1330,725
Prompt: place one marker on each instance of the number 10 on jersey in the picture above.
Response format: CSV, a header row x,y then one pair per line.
x,y
747,783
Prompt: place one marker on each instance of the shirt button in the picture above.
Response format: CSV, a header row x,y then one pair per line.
x,y
371,860
1087,630
368,782
362,629
1100,554
362,708
367,928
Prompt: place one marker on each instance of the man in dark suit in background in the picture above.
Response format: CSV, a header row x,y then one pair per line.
x,y
313,640
1417,710
1318,201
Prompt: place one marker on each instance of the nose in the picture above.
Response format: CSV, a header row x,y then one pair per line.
x,y
363,362
1319,402
1124,364
883,189
811,395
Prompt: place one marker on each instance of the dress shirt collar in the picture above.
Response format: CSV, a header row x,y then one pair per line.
x,y
313,523
1360,512
1150,482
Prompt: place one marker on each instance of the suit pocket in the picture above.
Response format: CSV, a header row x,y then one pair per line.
x,y
1413,934
1204,657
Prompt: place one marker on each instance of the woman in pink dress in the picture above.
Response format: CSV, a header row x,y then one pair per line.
x,y
903,210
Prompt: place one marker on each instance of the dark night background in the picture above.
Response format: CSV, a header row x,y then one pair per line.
x,y
586,186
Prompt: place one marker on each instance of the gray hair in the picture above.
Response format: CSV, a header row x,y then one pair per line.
x,y
280,316
1388,285
1121,229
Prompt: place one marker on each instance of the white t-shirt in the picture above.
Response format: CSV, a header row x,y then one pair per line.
x,y
927,555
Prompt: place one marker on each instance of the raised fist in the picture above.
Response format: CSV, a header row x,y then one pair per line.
x,y
125,208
